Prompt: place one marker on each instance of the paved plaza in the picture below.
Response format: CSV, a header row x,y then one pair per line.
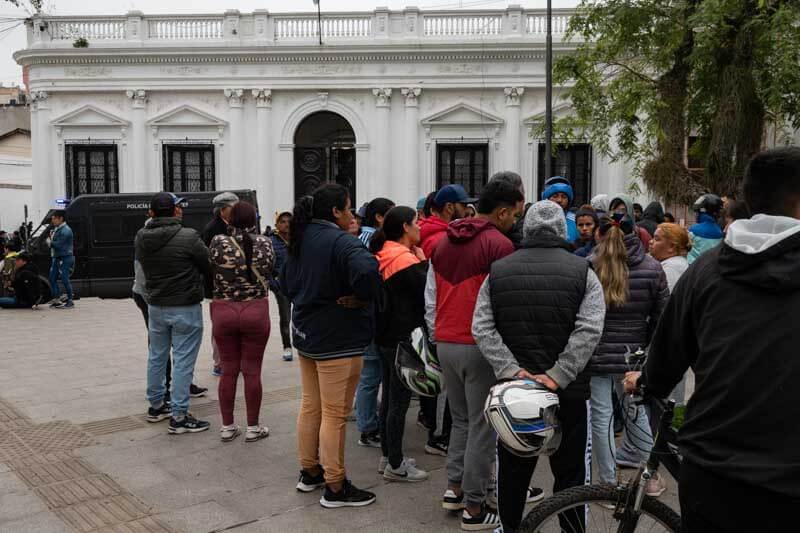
x,y
77,455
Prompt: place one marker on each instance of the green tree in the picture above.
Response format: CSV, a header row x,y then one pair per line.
x,y
646,73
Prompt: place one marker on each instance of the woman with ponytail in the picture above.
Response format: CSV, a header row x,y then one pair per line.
x,y
242,262
332,281
404,271
635,290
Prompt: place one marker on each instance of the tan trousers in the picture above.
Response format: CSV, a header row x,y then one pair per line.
x,y
327,398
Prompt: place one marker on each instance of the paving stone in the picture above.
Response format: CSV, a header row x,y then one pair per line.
x,y
78,490
16,505
147,524
107,512
208,516
46,474
36,522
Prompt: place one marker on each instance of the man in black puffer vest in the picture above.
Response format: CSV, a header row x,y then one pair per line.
x,y
539,316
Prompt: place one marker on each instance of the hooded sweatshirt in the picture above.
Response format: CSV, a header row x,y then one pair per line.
x,y
705,234
431,231
732,319
652,216
403,307
459,265
540,331
644,236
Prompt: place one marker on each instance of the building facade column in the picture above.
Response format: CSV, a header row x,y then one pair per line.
x,y
416,187
382,162
513,96
264,180
137,178
236,152
45,189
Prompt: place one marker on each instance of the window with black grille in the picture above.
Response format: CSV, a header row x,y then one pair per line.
x,y
91,169
189,167
573,162
463,164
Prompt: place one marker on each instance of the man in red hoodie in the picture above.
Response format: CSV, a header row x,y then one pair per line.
x,y
449,204
459,265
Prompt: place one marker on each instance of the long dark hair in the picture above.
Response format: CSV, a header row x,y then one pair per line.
x,y
243,217
392,229
318,205
378,206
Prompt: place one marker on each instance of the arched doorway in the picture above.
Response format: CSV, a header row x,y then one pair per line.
x,y
324,152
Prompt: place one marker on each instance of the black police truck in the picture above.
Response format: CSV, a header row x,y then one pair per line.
x,y
105,226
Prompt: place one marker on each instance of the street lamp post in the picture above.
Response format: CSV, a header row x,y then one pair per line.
x,y
548,106
319,21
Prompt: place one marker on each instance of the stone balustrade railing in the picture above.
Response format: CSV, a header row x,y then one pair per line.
x,y
262,27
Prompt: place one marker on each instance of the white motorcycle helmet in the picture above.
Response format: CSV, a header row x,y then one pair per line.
x,y
525,416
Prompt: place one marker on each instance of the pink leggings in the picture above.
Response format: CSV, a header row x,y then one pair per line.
x,y
241,330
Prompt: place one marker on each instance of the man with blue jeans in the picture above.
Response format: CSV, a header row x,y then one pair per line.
x,y
63,260
174,260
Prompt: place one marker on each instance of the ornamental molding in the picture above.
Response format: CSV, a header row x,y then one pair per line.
x,y
411,95
138,97
89,116
513,95
461,114
37,96
263,97
383,96
235,97
186,115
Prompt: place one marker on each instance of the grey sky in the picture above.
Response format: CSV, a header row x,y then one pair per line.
x,y
10,72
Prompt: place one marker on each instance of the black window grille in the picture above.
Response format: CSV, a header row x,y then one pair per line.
x,y
91,169
574,162
463,164
189,167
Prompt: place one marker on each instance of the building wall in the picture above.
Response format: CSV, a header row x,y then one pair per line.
x,y
15,180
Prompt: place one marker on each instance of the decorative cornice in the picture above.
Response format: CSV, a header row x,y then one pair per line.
x,y
138,97
383,97
263,97
513,95
235,97
411,95
38,96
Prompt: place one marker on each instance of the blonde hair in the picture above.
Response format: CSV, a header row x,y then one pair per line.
x,y
677,236
611,263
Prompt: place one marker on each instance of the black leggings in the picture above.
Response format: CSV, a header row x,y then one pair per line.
x,y
285,313
142,305
394,406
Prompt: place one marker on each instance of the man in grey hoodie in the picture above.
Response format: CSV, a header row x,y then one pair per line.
x,y
539,316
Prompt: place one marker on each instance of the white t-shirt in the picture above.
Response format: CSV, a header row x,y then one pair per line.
x,y
674,267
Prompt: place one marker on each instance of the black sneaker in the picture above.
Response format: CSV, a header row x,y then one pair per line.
x,y
423,422
188,424
309,483
451,501
197,392
157,414
486,519
349,496
436,447
370,440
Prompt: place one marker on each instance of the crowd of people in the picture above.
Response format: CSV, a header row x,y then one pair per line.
x,y
491,289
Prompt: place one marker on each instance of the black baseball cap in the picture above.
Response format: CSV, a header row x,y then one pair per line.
x,y
452,194
164,201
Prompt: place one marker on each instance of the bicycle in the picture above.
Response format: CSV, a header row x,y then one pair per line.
x,y
627,503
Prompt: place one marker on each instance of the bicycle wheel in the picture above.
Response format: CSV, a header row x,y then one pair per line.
x,y
562,512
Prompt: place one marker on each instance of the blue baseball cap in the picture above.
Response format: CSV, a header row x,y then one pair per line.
x,y
163,201
452,194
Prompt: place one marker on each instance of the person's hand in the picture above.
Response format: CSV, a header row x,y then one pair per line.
x,y
544,379
630,382
419,253
524,374
351,302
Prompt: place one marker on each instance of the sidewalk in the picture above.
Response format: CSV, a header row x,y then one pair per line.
x,y
77,455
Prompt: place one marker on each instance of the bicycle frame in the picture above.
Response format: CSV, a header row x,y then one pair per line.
x,y
628,512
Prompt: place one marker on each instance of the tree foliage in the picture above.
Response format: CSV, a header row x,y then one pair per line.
x,y
647,73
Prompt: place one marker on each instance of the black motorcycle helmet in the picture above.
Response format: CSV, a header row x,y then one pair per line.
x,y
710,204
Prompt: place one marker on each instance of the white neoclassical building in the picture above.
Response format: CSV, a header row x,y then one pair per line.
x,y
392,103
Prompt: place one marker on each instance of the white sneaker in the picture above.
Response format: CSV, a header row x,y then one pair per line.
x,y
405,472
255,433
384,462
287,354
655,487
228,433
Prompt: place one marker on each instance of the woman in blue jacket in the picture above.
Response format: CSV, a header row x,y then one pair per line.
x,y
333,282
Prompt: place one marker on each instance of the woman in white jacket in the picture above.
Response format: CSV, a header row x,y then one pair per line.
x,y
670,246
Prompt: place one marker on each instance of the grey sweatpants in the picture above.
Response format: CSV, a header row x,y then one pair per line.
x,y
472,442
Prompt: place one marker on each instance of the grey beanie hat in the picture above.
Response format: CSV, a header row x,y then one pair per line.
x,y
225,199
547,215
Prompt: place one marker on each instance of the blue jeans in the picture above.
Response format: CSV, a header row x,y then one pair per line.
x,y
367,391
179,328
61,268
8,302
637,438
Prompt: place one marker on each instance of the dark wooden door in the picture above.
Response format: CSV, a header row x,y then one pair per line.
x,y
573,162
315,165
